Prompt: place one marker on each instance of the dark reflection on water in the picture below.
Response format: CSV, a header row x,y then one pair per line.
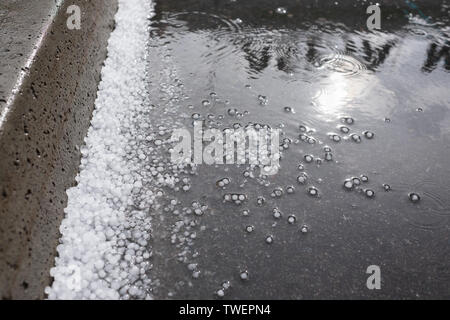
x,y
263,35
321,61
435,55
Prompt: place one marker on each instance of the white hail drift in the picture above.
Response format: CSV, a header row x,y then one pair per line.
x,y
103,252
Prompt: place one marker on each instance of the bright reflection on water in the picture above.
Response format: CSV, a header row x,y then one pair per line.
x,y
317,67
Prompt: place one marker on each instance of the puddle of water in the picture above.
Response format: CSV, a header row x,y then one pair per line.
x,y
366,123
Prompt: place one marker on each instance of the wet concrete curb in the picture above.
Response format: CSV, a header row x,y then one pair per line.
x,y
48,83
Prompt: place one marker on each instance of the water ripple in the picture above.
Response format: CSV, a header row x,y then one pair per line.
x,y
340,63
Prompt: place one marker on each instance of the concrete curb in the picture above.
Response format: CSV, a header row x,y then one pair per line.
x,y
49,77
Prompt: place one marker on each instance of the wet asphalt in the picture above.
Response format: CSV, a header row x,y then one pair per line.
x,y
326,66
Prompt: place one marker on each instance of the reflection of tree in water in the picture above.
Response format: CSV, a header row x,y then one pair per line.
x,y
434,55
258,58
287,56
376,57
286,51
373,56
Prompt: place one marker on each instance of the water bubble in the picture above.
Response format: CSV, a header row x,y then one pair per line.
x,y
356,181
222,183
348,120
281,10
302,178
260,201
369,193
249,229
220,293
303,128
304,228
386,187
301,167
290,189
206,103
291,219
387,120
356,138
245,212
285,143
348,184
270,168
235,197
334,137
269,239
414,197
244,275
308,158
289,110
198,212
419,109
311,140
278,192
328,156
232,112
277,213
364,178
312,191
195,116
226,285
303,137
236,125
326,149
263,100
368,134
344,129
